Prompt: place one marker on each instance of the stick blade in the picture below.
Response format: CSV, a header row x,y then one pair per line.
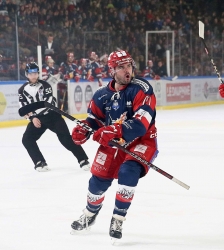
x,y
180,183
31,107
201,29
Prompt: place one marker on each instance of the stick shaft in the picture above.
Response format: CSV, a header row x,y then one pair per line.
x,y
114,143
201,35
34,106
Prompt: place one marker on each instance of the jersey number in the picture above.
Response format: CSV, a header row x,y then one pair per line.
x,y
48,91
121,53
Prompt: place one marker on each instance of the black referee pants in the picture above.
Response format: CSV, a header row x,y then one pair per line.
x,y
56,124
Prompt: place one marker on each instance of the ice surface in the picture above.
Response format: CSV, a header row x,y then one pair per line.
x,y
37,209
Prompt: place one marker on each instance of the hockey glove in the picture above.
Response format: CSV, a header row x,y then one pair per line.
x,y
221,90
80,135
107,133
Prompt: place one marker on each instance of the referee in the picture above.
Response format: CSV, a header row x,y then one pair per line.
x,y
35,90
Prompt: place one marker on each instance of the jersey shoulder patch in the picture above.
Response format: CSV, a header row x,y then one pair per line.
x,y
143,84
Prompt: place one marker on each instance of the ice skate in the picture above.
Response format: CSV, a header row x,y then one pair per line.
x,y
41,166
85,165
116,227
86,220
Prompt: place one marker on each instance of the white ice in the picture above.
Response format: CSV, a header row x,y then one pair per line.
x,y
37,209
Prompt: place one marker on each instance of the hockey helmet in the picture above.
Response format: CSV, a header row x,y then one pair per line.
x,y
31,68
117,58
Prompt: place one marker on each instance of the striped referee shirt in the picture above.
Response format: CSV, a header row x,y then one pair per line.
x,y
40,91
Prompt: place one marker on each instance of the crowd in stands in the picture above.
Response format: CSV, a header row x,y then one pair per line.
x,y
77,36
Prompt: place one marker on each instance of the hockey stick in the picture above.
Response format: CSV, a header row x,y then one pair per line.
x,y
31,107
63,100
201,35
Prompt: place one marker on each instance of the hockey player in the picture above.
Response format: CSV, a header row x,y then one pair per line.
x,y
69,68
104,66
122,110
84,70
37,90
96,69
221,90
44,65
149,70
48,69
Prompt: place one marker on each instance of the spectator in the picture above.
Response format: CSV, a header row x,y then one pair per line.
x,y
149,15
14,72
141,63
110,4
4,67
72,19
122,14
49,48
161,69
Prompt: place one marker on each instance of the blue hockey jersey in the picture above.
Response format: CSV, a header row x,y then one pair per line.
x,y
135,103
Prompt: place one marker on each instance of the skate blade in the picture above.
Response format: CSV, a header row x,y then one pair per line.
x,y
113,241
76,232
86,167
44,169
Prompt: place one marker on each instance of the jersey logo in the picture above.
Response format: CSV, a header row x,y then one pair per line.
x,y
101,158
140,148
99,98
129,104
115,105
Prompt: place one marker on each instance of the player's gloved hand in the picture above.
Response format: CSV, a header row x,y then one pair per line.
x,y
221,90
107,133
80,135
